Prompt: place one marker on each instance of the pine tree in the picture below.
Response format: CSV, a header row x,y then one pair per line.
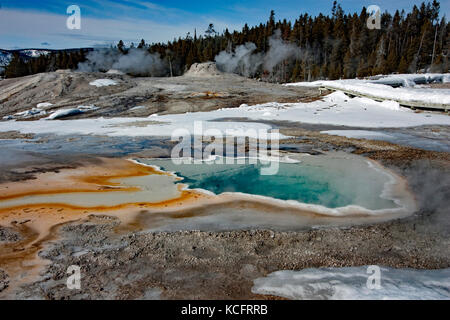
x,y
296,72
121,46
16,67
142,44
403,65
210,32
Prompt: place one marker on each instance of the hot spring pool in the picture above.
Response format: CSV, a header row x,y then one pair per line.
x,y
335,180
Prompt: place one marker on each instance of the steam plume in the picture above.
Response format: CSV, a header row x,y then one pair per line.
x,y
136,62
247,63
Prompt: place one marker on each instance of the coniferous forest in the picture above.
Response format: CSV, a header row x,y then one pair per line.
x,y
20,66
333,46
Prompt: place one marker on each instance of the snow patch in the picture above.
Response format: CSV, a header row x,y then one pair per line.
x,y
103,83
26,114
44,105
70,112
137,108
114,71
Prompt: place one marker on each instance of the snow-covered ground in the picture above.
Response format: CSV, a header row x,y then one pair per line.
x,y
380,89
351,283
405,80
126,127
411,80
334,109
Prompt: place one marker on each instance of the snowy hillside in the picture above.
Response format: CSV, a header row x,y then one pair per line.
x,y
34,53
5,57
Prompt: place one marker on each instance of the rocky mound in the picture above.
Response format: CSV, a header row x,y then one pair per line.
x,y
206,69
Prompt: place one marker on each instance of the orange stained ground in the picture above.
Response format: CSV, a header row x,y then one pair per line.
x,y
38,223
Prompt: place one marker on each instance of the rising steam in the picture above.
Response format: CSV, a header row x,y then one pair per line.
x,y
137,62
242,61
246,62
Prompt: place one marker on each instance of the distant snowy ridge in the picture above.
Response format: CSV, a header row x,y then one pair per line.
x,y
30,53
5,58
6,55
34,53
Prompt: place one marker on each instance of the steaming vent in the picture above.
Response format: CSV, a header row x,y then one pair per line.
x,y
206,69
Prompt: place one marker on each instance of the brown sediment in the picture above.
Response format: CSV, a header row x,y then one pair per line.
x,y
20,259
208,95
38,224
386,152
15,135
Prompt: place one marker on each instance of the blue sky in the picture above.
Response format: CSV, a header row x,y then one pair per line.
x,y
40,24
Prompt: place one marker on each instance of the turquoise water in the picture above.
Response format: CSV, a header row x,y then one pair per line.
x,y
330,181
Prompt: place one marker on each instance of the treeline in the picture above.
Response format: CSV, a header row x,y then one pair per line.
x,y
333,46
20,65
